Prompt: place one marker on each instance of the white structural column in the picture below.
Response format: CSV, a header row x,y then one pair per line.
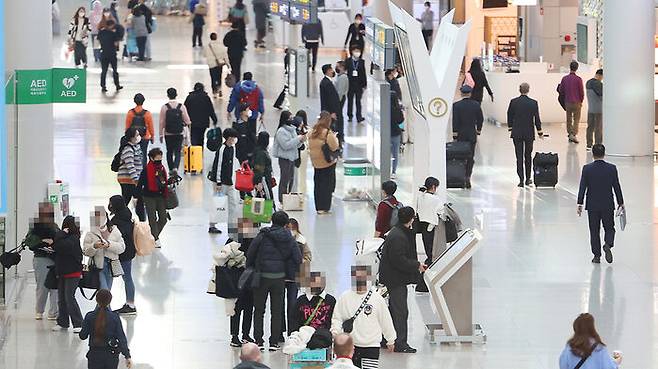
x,y
628,98
30,47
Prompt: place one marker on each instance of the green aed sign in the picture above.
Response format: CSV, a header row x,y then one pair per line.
x,y
56,85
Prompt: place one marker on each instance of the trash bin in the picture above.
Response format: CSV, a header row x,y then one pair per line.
x,y
356,183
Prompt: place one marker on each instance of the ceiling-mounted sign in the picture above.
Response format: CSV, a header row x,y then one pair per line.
x,y
295,11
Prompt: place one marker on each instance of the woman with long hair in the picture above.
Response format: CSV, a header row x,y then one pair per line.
x,y
122,218
480,80
324,179
261,164
68,264
103,244
79,31
301,121
106,337
286,144
292,286
585,349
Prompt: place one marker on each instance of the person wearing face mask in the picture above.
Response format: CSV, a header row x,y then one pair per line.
x,y
329,99
153,184
285,148
68,264
122,219
222,175
371,323
356,72
109,38
95,21
131,169
356,34
103,244
247,137
315,308
79,31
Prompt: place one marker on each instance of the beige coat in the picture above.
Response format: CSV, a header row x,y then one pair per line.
x,y
315,149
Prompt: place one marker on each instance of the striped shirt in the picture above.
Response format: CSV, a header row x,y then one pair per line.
x,y
131,164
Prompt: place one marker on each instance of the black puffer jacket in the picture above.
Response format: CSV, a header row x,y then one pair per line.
x,y
123,219
200,108
274,250
399,264
68,253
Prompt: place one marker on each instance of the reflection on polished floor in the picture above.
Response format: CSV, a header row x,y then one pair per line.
x,y
532,275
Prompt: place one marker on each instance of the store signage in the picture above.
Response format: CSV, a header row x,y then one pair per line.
x,y
295,11
46,86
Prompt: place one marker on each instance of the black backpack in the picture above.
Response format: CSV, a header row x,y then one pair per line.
x,y
174,119
139,121
116,161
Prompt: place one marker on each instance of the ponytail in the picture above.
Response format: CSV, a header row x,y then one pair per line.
x,y
422,189
103,298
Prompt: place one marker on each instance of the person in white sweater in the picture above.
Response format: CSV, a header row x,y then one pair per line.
x,y
103,244
372,321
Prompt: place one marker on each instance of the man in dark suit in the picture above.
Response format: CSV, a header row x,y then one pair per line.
x,y
329,100
356,72
467,122
522,118
598,181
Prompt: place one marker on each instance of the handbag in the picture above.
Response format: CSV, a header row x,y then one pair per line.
x,y
10,258
244,178
329,155
250,278
226,282
229,80
293,201
348,325
171,201
51,278
582,361
90,277
116,268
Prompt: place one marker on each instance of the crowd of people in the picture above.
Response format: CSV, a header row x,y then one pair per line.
x,y
272,263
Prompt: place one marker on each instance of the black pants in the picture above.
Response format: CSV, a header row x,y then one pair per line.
x,y
313,48
260,35
128,191
397,305
197,134
368,356
324,184
427,35
236,64
197,32
102,358
144,144
106,62
274,289
596,217
174,144
244,307
141,47
80,53
67,304
523,150
216,78
428,241
354,94
471,161
340,121
287,178
290,298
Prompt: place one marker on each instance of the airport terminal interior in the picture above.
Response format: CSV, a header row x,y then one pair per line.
x,y
532,273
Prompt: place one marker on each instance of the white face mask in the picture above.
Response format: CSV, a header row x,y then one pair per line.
x,y
356,55
247,113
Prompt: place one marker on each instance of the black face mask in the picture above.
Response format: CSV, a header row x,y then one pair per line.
x,y
158,162
316,290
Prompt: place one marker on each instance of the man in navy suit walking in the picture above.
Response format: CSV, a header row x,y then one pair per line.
x,y
598,181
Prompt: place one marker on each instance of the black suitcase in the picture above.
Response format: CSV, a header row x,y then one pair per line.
x,y
456,173
279,100
544,168
458,150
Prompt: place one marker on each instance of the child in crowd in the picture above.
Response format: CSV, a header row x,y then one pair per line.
x,y
315,308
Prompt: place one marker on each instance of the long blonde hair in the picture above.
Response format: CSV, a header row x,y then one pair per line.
x,y
324,123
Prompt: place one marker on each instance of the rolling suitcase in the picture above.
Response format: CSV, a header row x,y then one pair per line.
x,y
193,159
456,173
458,150
544,169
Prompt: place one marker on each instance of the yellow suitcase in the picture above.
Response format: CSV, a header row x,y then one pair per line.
x,y
193,159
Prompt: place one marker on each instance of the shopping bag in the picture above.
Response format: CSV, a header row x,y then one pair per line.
x,y
226,282
293,201
258,210
220,203
244,178
143,239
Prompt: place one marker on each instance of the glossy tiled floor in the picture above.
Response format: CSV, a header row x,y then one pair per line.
x,y
532,276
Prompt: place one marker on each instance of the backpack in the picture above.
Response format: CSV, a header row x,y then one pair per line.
x,y
139,121
116,161
144,241
214,139
468,80
394,213
174,119
250,98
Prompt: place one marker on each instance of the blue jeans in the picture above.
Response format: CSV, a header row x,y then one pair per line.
x,y
106,275
127,280
395,151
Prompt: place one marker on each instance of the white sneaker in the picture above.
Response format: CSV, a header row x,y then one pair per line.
x,y
77,330
158,244
52,317
393,176
38,316
58,328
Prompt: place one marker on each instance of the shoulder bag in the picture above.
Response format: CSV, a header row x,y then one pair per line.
x,y
582,361
314,313
348,325
329,155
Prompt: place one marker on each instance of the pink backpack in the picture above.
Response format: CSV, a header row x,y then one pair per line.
x,y
468,80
